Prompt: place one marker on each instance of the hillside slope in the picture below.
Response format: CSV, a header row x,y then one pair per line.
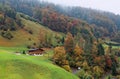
x,y
28,35
104,24
29,67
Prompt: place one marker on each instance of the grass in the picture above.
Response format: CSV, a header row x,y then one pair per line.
x,y
23,38
113,47
14,66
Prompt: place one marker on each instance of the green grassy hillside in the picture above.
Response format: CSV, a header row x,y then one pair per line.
x,y
22,37
14,66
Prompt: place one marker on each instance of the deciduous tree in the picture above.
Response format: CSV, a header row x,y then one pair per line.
x,y
69,43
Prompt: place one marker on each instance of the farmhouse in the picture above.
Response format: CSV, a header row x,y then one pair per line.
x,y
36,52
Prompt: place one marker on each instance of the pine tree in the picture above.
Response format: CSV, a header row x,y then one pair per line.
x,y
100,50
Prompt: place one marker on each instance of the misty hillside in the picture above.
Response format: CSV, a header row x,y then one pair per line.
x,y
104,24
87,24
41,40
48,17
15,26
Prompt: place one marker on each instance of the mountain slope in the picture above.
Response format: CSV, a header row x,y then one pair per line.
x,y
27,35
104,24
17,29
100,19
49,17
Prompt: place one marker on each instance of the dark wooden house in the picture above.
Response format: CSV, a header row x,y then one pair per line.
x,y
36,52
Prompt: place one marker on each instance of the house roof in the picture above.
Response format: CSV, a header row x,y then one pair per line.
x,y
36,49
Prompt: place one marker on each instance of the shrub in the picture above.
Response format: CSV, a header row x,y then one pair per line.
x,y
118,76
29,46
7,35
30,31
82,74
23,52
67,68
29,39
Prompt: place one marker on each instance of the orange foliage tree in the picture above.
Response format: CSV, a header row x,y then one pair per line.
x,y
78,56
108,61
59,58
69,43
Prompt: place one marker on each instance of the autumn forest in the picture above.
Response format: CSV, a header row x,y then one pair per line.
x,y
66,42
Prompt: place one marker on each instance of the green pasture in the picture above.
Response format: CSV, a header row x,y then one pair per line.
x,y
13,66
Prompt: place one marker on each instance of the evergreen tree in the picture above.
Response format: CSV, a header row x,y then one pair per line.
x,y
100,49
63,40
114,71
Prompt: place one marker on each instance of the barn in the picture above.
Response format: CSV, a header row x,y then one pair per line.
x,y
36,52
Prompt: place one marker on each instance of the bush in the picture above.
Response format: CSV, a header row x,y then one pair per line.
x,y
29,46
67,68
7,35
3,27
29,39
82,74
23,52
118,76
30,31
109,77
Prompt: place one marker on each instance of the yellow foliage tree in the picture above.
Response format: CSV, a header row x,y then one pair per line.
x,y
94,48
69,43
98,71
78,52
59,55
85,65
59,58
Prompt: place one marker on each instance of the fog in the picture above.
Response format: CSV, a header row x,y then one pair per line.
x,y
105,5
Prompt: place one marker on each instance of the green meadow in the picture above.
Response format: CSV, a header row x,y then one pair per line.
x,y
13,66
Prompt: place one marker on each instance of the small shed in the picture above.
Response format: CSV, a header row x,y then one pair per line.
x,y
36,52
